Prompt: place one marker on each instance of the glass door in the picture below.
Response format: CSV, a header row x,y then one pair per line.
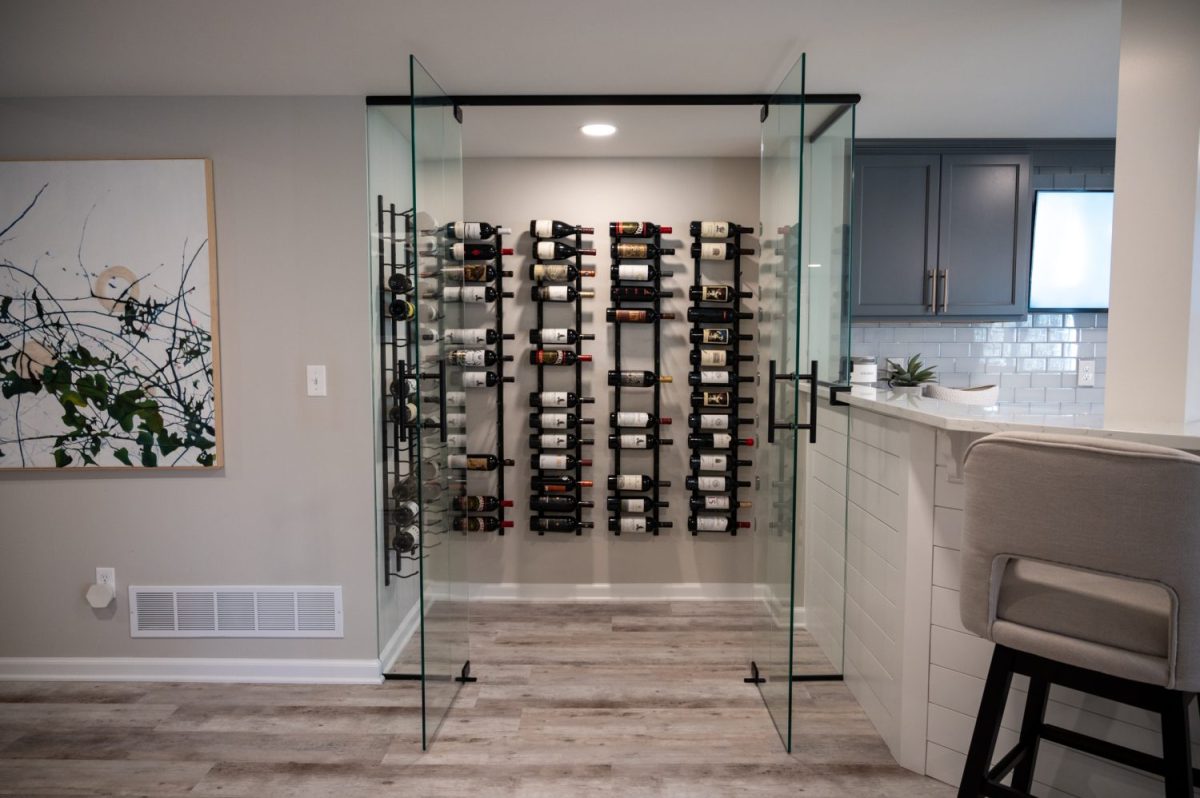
x,y
437,177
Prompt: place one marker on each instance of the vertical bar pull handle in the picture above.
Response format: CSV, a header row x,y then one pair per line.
x,y
770,403
945,289
812,402
931,290
811,425
402,397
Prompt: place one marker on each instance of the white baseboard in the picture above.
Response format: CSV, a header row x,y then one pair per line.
x,y
190,669
404,631
613,591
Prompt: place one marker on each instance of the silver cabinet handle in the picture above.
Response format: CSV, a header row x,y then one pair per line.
x,y
931,291
945,289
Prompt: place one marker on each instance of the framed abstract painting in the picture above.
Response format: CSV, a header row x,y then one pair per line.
x,y
109,344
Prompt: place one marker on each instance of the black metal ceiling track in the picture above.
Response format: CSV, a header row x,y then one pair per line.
x,y
530,100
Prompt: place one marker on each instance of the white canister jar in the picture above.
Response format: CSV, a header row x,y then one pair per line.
x,y
863,370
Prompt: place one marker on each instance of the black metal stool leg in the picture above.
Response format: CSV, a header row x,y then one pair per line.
x,y
1031,730
1177,745
987,724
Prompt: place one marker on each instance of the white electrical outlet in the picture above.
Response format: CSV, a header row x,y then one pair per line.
x,y
315,380
1087,373
107,576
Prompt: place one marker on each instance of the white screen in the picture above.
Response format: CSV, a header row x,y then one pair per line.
x,y
1072,250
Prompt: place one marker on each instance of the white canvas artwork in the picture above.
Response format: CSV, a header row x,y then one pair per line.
x,y
108,315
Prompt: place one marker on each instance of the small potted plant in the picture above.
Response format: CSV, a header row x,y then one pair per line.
x,y
909,378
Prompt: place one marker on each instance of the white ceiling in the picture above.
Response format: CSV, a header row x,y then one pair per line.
x,y
923,67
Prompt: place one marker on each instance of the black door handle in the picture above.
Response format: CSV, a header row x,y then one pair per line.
x,y
772,424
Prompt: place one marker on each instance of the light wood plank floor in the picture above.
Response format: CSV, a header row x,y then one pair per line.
x,y
595,699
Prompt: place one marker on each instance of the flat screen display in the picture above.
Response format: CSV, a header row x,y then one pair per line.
x,y
1072,250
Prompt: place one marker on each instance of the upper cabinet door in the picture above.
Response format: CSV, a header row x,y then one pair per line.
x,y
895,235
983,242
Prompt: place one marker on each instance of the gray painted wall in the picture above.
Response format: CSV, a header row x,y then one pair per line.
x,y
294,503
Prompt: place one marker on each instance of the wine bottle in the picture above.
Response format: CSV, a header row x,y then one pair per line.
x,y
557,483
627,250
403,414
475,462
717,229
627,316
641,272
558,272
557,523
636,420
557,502
472,231
718,399
716,293
716,440
636,379
633,523
709,250
637,293
714,421
714,502
472,357
558,293
558,399
479,504
715,315
716,357
634,482
557,462
552,228
557,440
640,440
556,250
715,377
557,357
456,440
557,421
399,284
402,310
477,294
407,488
715,462
478,523
717,335
405,540
562,336
714,523
404,513
714,484
409,385
638,504
453,421
472,273
453,398
464,251
473,336
482,379
636,229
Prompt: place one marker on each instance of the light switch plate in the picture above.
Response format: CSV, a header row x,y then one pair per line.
x,y
315,380
1087,373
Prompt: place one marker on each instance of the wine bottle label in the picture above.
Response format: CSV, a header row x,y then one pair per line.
x,y
554,398
633,379
714,378
543,228
633,441
722,440
469,357
712,462
630,315
626,419
551,271
473,504
555,335
714,421
475,379
716,398
477,464
556,293
712,357
552,357
634,524
712,251
716,336
553,420
711,483
474,293
467,230
633,250
630,228
714,230
633,271
475,272
711,523
466,336
633,505
629,481
552,461
715,293
456,398
716,502
456,441
545,250
456,420
554,441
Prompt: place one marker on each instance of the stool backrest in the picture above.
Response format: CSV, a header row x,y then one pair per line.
x,y
1113,507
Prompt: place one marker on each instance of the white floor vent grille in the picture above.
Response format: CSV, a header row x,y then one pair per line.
x,y
236,611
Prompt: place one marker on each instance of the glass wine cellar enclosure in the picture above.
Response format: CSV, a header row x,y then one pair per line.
x,y
511,348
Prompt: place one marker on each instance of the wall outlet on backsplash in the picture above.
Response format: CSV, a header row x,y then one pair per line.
x,y
1087,373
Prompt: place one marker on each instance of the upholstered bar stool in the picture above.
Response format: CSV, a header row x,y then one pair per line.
x,y
1081,562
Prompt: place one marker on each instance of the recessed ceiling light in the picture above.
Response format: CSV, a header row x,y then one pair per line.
x,y
598,129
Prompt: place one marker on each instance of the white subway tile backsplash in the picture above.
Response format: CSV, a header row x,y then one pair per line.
x,y
955,350
1047,320
1030,395
1032,364
987,350
971,334
1047,380
1060,395
1015,381
1032,335
1017,350
1096,336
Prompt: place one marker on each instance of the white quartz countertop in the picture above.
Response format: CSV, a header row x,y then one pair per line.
x,y
997,418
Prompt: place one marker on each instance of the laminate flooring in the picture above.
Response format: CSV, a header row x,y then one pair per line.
x,y
583,699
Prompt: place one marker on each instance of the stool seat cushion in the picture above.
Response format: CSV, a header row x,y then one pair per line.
x,y
1125,614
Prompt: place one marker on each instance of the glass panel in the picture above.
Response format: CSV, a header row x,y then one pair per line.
x,y
775,499
438,199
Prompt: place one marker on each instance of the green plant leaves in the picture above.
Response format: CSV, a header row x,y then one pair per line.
x,y
914,372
